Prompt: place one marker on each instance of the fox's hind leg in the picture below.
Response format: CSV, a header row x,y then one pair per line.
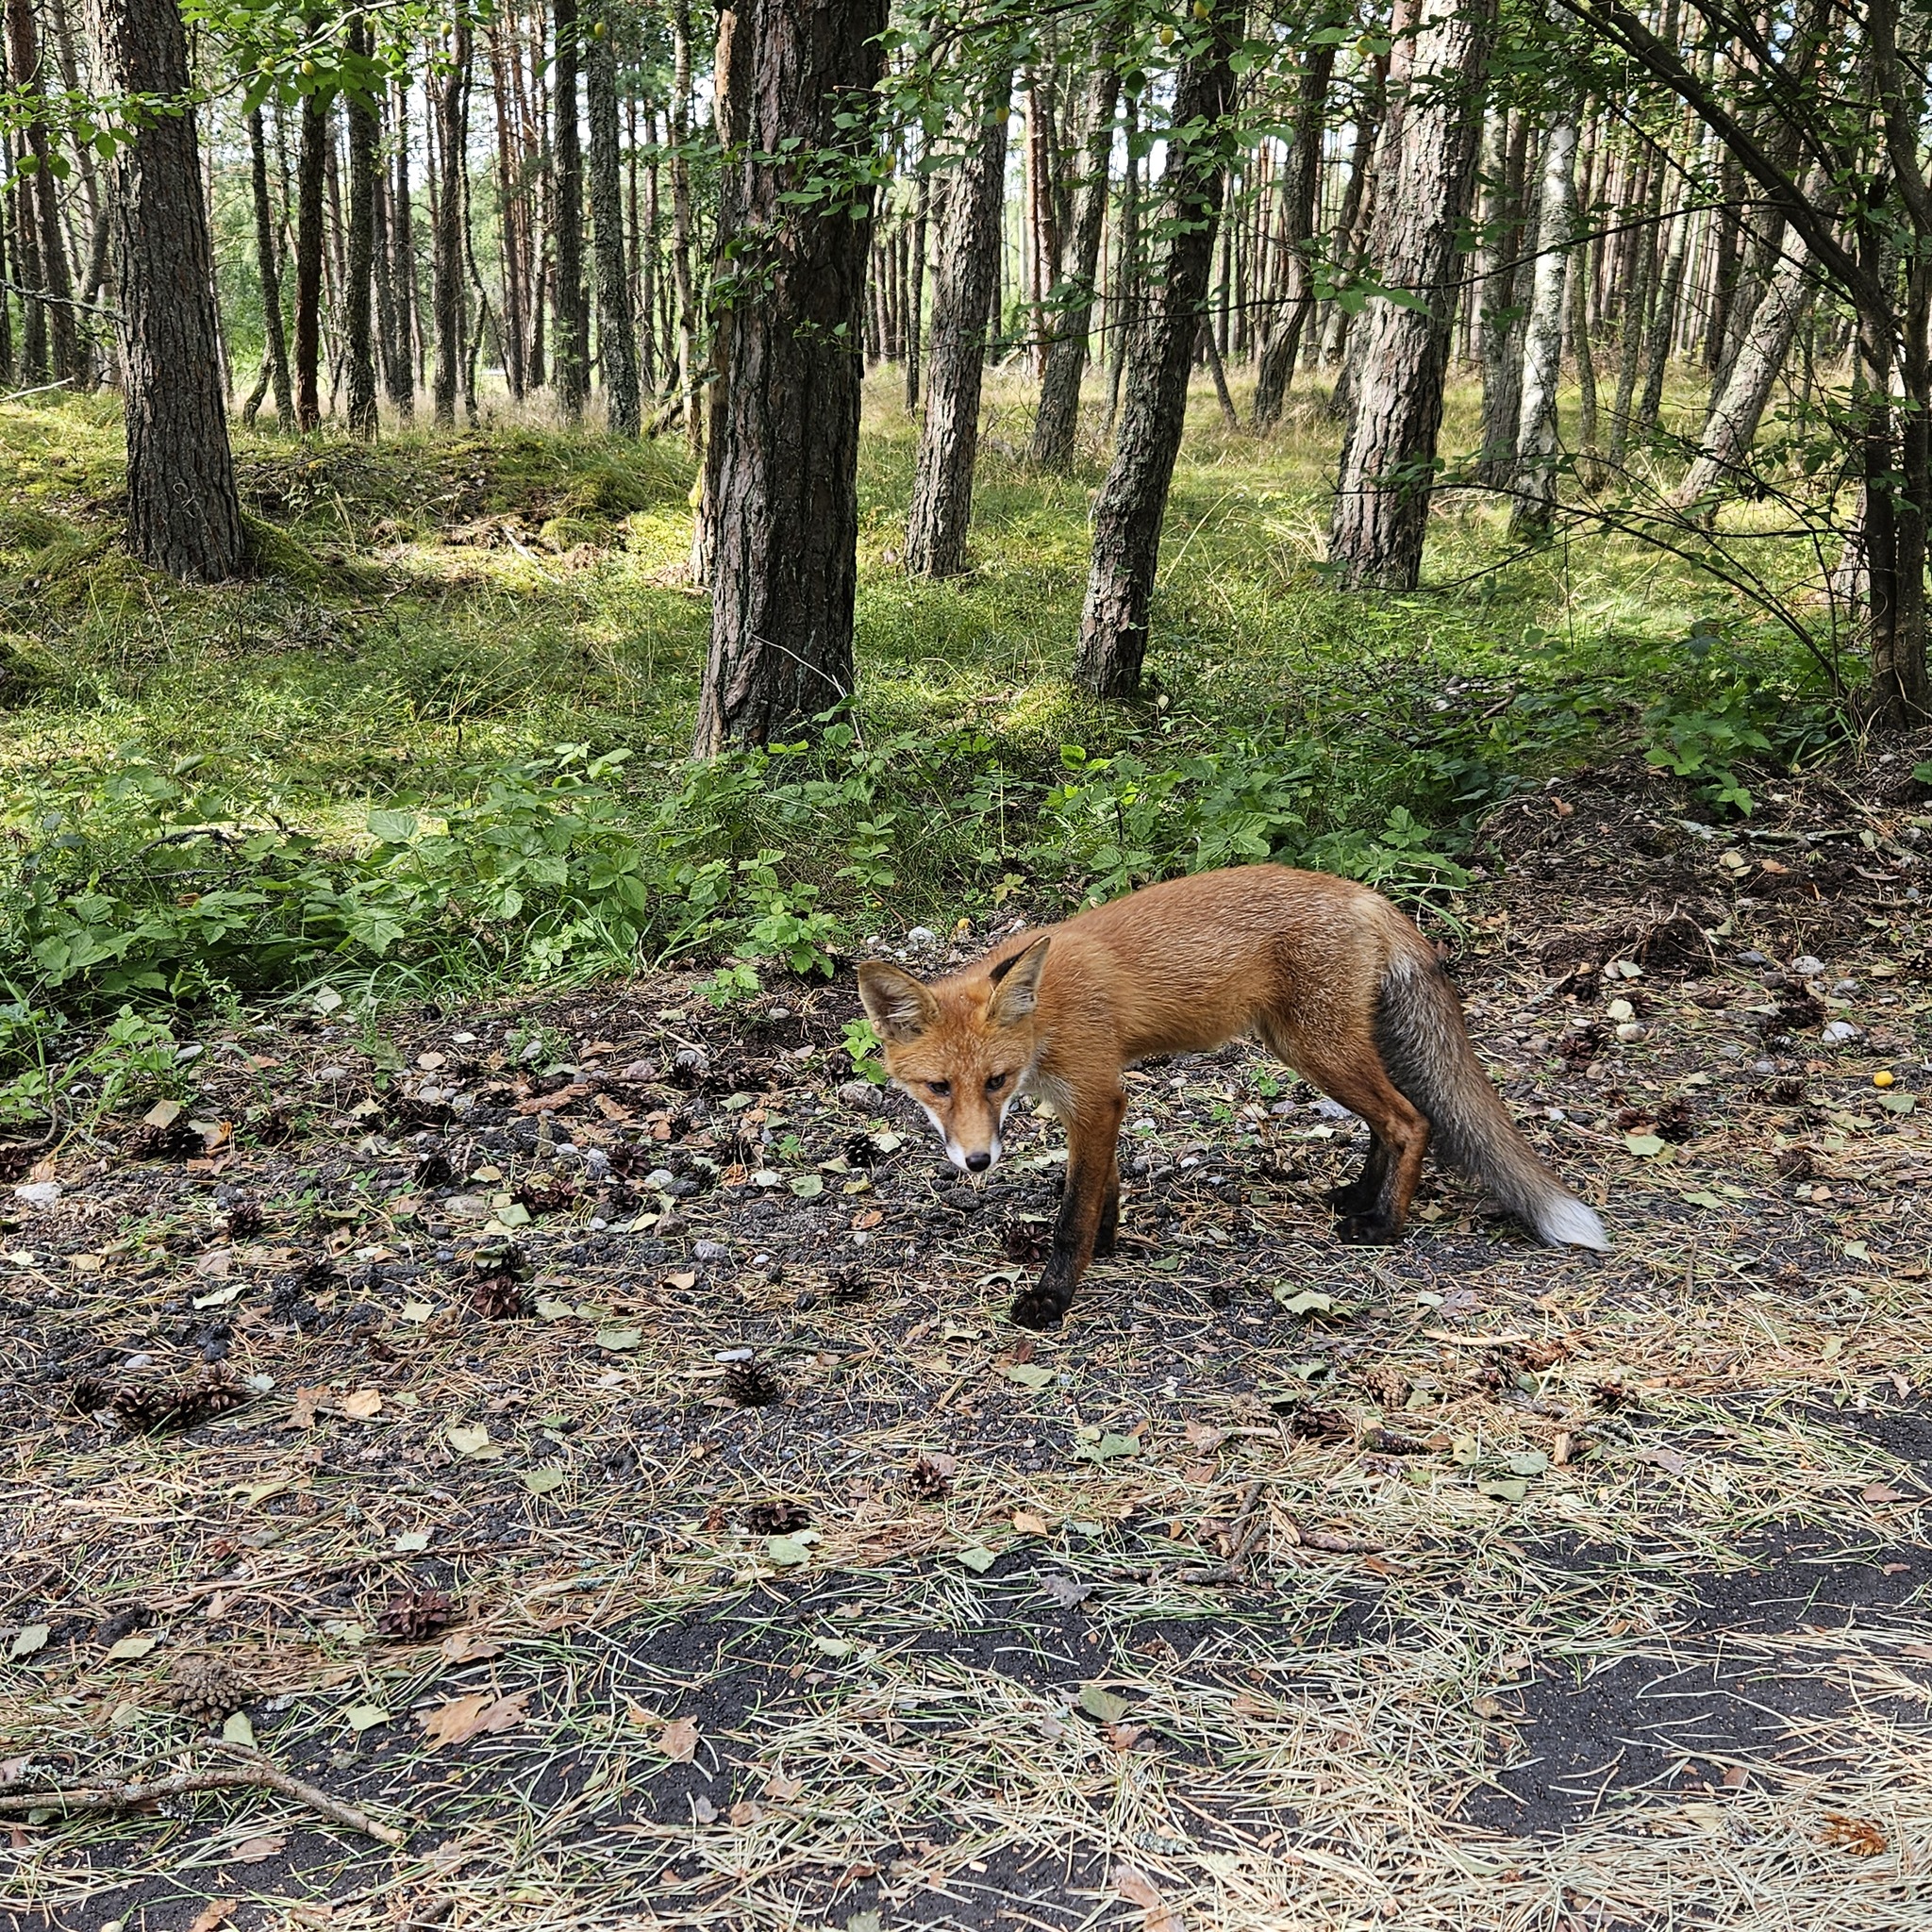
x,y
1359,1196
1109,1218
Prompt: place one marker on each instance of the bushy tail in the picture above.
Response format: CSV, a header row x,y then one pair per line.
x,y
1425,1045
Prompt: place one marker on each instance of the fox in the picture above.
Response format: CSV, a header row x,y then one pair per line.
x,y
1329,975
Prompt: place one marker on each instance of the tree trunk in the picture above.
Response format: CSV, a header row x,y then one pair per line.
x,y
915,291
1537,438
1395,412
969,256
309,165
1125,302
617,339
1499,338
570,357
183,513
1132,504
1663,319
400,373
452,139
1069,305
41,200
782,470
1301,182
268,254
681,224
358,317
1732,424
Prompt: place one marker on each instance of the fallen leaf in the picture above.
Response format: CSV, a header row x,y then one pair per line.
x,y
1103,1705
1881,1493
25,1641
704,1811
217,1911
786,1551
362,1405
467,1647
1204,1436
540,1482
977,1560
782,1790
1064,1590
463,1717
1858,1836
1311,1300
678,1741
1106,1449
467,1440
236,1729
1029,1522
684,1277
746,1811
618,1339
364,1717
131,1647
1028,1374
1137,1888
254,1851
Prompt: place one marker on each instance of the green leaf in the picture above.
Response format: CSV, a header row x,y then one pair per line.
x,y
131,1647
619,1339
392,827
1504,1488
540,1482
977,1560
1529,1463
1028,1374
808,1187
363,1717
552,1310
786,1551
1897,1103
1705,1200
1644,1144
1103,1705
238,1730
28,1641
1106,1449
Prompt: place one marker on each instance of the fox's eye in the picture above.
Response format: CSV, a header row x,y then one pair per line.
x,y
996,1082
938,1088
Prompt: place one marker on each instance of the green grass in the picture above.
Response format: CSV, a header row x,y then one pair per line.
x,y
430,610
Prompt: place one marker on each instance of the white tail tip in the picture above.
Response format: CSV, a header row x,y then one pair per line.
x,y
1566,1221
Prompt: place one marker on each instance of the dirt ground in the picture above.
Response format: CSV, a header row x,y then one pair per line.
x,y
586,1436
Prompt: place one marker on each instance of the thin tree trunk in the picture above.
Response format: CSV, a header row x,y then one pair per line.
x,y
782,467
1071,302
617,341
681,236
310,164
1663,318
514,214
1536,436
400,373
268,254
1132,504
447,277
41,195
183,512
1126,303
1301,182
949,439
915,291
570,355
1501,279
1395,412
358,317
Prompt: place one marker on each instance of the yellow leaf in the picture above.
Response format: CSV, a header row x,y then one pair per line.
x,y
463,1717
363,1405
678,1741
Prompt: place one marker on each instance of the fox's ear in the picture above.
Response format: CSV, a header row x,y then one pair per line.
x,y
1016,985
895,1003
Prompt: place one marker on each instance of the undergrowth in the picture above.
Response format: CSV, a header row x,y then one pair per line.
x,y
437,743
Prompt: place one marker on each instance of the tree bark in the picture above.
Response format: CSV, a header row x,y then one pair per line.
x,y
570,358
681,224
1132,504
969,265
359,321
617,339
183,513
1395,412
452,128
41,195
1499,279
1537,438
915,291
1301,181
782,470
309,163
268,254
1070,304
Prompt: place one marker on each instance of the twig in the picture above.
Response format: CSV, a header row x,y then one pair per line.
x,y
255,1771
1245,1533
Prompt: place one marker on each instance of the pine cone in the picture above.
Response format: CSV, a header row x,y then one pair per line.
x,y
546,1193
176,1141
246,1218
417,1614
850,1284
1674,1122
776,1519
752,1385
498,1296
1307,1423
1019,1241
205,1690
928,1479
432,1165
150,1407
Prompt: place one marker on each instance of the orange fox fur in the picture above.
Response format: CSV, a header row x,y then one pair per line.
x,y
1326,973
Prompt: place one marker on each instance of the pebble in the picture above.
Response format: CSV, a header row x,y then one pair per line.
x,y
1805,967
707,1251
1839,1031
858,1092
39,1194
326,1075
921,936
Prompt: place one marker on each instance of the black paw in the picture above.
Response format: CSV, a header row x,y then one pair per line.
x,y
1368,1232
1038,1308
1104,1245
1353,1199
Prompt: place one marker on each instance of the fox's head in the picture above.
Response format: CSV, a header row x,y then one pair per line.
x,y
962,1048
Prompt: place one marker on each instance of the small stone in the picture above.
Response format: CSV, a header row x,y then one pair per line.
x,y
921,936
1838,1032
39,1194
705,1250
1806,967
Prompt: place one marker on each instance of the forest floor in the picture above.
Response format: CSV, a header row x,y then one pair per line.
x,y
1461,1584
581,1427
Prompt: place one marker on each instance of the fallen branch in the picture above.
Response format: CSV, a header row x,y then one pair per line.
x,y
1244,1534
255,1773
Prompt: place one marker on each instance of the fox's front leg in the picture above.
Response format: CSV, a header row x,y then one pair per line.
x,y
1089,1206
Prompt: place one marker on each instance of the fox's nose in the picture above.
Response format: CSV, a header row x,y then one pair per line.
x,y
978,1164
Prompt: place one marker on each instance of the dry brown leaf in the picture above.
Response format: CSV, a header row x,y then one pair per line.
x,y
254,1850
1137,1888
746,1811
1029,1522
463,1717
362,1405
217,1911
1203,1436
302,1411
468,1647
678,1741
782,1790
